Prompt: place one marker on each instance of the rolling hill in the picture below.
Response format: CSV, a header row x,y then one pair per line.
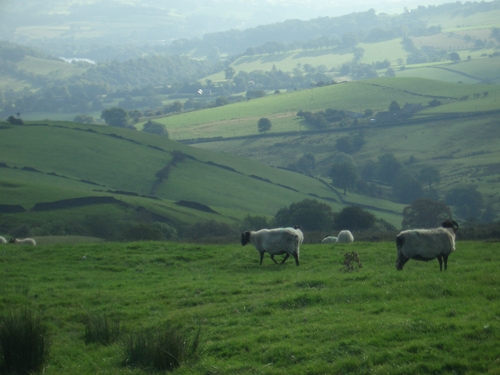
x,y
63,172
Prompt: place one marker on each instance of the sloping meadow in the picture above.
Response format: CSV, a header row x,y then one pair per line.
x,y
319,318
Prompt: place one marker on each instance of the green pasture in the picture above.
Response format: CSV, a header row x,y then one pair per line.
x,y
313,319
52,161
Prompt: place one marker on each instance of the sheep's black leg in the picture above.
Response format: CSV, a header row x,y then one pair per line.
x,y
440,260
274,260
261,257
296,256
445,257
285,258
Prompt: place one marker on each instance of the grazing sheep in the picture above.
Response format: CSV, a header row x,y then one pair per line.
x,y
329,239
275,242
345,236
427,244
26,241
3,240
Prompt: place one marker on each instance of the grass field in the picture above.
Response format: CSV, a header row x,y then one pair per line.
x,y
47,162
269,319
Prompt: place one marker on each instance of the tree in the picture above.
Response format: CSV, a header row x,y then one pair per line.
x,y
388,168
115,116
264,124
467,199
344,176
455,57
155,128
425,213
407,188
394,106
308,213
220,101
430,175
229,72
84,119
354,218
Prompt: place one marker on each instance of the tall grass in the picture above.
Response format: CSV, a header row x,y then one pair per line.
x,y
101,329
24,343
161,350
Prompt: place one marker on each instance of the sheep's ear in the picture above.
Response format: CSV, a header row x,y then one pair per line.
x,y
455,225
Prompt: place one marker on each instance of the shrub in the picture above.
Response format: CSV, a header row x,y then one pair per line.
x,y
100,329
23,342
351,261
161,350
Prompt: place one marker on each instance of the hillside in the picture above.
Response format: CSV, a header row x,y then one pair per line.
x,y
64,172
458,137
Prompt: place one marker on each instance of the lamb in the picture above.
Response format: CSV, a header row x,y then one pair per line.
x,y
345,236
275,242
3,240
26,241
329,239
427,244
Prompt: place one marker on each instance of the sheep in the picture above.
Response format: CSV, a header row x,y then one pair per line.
x,y
329,239
345,236
275,242
26,241
427,244
3,240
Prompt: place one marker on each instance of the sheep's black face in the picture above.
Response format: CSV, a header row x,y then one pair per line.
x,y
12,240
450,224
245,238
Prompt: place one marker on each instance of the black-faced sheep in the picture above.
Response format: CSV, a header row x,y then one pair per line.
x,y
427,244
26,241
275,242
345,236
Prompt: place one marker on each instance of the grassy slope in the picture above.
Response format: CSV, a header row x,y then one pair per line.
x,y
474,158
112,163
269,319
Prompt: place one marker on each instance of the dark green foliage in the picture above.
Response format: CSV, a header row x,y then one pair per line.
x,y
467,199
425,213
344,175
394,106
161,349
254,223
84,119
116,116
305,164
388,168
309,214
354,218
24,342
407,188
143,232
14,121
155,128
430,175
101,329
264,125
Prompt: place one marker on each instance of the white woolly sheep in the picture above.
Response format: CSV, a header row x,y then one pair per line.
x,y
427,244
275,242
26,241
345,236
329,239
3,240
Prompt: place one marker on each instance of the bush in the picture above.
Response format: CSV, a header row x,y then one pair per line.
x,y
161,350
100,329
23,343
